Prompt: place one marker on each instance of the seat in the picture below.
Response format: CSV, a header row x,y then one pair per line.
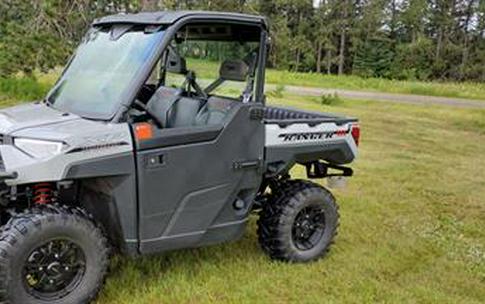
x,y
183,113
171,110
230,70
215,111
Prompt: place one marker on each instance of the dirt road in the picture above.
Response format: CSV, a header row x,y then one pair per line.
x,y
385,97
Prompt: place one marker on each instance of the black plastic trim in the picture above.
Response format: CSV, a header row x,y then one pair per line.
x,y
172,17
287,116
118,164
180,136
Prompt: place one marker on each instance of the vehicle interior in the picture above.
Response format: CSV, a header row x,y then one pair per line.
x,y
203,73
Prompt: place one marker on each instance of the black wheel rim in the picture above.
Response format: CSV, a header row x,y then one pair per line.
x,y
308,227
54,269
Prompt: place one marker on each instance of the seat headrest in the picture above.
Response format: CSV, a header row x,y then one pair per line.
x,y
175,63
234,70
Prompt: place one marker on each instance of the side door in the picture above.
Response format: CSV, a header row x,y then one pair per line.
x,y
196,184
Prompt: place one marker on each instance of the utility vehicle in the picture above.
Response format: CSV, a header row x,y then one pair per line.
x,y
156,137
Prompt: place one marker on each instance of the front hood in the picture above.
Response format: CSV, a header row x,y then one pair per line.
x,y
84,141
31,115
38,121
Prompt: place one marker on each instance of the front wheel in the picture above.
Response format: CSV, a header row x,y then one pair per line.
x,y
300,223
51,254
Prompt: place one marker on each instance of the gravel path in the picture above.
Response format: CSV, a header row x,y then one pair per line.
x,y
385,97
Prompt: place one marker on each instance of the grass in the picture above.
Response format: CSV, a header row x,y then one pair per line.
x,y
22,88
446,89
412,226
19,87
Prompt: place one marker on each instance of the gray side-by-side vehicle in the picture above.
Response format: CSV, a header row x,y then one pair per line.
x,y
116,159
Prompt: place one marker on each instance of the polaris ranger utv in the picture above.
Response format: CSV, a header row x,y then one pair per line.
x,y
140,148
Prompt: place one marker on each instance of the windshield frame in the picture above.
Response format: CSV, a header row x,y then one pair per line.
x,y
129,88
170,30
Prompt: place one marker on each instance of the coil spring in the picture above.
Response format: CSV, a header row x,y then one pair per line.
x,y
43,193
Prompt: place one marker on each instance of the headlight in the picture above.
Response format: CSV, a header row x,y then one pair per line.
x,y
39,148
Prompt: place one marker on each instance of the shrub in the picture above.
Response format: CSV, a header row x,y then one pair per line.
x,y
330,99
25,88
278,92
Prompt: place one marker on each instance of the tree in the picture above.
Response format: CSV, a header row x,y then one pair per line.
x,y
425,39
345,9
374,58
326,25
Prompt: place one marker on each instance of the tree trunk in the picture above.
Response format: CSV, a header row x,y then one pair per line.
x,y
341,56
343,38
464,58
439,42
319,57
464,55
297,65
394,21
329,61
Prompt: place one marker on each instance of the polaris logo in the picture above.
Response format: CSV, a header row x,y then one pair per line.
x,y
313,135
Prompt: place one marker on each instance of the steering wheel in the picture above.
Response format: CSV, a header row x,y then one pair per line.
x,y
148,111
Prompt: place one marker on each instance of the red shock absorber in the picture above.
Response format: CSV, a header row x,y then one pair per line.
x,y
43,193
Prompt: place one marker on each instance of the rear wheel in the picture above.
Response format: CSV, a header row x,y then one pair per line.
x,y
300,223
51,254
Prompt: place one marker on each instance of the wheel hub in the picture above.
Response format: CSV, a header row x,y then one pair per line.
x,y
53,269
308,227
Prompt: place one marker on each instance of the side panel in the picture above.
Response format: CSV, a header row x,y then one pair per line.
x,y
108,188
187,192
99,157
302,142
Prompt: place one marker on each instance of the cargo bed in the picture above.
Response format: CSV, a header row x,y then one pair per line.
x,y
294,136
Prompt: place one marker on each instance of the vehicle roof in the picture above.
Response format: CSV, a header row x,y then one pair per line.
x,y
170,17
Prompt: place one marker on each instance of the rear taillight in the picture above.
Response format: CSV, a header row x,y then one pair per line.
x,y
356,133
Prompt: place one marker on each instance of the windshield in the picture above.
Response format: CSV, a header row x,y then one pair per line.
x,y
102,69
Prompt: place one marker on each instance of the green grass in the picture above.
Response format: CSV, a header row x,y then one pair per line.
x,y
446,89
412,226
28,88
22,88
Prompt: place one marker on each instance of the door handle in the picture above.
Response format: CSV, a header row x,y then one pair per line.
x,y
249,164
155,161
